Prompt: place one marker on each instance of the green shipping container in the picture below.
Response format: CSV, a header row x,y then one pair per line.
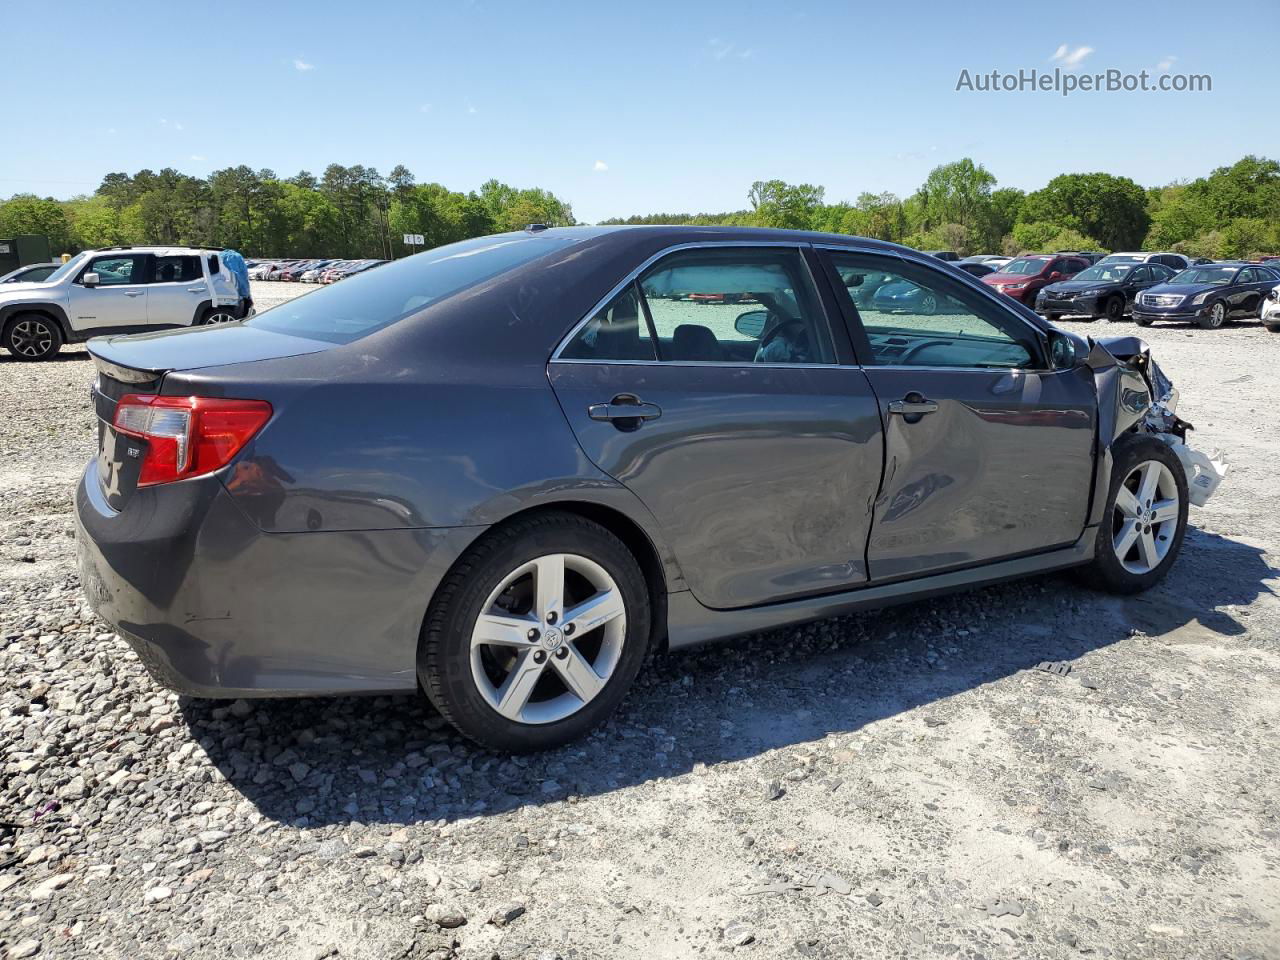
x,y
18,251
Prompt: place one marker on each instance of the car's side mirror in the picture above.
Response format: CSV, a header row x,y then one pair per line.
x,y
752,323
90,280
1062,351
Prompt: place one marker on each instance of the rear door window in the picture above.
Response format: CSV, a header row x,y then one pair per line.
x,y
713,305
181,269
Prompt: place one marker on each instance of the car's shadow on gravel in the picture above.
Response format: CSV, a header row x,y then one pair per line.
x,y
329,762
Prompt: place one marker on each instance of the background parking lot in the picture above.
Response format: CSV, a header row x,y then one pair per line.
x,y
1029,770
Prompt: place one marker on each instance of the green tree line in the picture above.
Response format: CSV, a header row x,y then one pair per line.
x,y
1233,212
346,212
356,212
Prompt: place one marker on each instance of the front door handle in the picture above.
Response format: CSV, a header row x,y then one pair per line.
x,y
624,411
913,405
195,289
134,293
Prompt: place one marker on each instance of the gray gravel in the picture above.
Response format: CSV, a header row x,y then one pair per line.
x,y
907,783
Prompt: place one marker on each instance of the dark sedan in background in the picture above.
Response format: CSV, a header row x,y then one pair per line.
x,y
505,470
1104,290
1024,277
1207,295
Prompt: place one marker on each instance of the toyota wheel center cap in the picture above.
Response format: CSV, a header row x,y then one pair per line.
x,y
552,638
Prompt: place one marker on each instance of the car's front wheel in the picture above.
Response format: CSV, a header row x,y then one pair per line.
x,y
1114,310
1215,318
1145,520
536,634
32,336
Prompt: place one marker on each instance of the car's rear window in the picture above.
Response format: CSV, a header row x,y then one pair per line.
x,y
369,301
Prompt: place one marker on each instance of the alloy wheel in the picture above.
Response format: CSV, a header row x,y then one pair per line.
x,y
218,316
1218,314
1145,518
548,638
929,305
31,338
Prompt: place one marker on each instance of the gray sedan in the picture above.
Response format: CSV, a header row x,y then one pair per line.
x,y
506,470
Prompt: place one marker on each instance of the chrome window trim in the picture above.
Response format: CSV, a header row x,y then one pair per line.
x,y
697,245
735,364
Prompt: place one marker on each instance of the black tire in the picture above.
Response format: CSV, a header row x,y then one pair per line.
x,y
214,315
444,649
1114,309
1141,321
1053,317
1273,327
1105,571
1215,318
32,336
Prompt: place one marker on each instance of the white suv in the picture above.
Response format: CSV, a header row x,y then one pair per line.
x,y
117,290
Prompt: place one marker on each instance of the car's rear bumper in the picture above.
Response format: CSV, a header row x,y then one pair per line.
x,y
214,607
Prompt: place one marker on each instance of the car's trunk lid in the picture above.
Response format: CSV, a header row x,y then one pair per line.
x,y
140,363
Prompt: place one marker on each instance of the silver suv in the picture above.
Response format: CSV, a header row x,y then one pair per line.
x,y
117,290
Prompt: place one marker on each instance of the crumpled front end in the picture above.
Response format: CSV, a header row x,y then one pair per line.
x,y
1135,395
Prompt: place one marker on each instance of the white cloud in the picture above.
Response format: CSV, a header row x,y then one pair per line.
x,y
1166,63
600,166
302,66
1069,59
111,130
199,159
177,126
746,54
720,48
471,107
425,108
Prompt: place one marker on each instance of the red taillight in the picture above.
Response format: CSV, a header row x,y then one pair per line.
x,y
188,436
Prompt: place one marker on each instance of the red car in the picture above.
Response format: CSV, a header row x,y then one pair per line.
x,y
1022,277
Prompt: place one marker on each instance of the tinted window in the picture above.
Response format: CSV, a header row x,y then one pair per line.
x,y
1215,275
617,332
712,306
176,270
1140,274
116,270
918,317
736,306
361,304
1106,272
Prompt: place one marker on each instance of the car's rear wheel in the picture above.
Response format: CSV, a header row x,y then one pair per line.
x,y
1272,327
1114,310
217,315
32,336
1141,321
1145,520
1053,317
536,634
1215,318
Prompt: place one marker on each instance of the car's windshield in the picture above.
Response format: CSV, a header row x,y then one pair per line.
x,y
1025,266
1105,272
1218,276
71,266
344,312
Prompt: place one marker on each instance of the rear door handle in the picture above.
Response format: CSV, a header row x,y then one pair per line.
x,y
134,293
624,407
195,289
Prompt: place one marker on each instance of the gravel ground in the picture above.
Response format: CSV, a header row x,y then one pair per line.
x,y
906,783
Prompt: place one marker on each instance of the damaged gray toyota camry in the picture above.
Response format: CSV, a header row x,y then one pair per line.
x,y
506,470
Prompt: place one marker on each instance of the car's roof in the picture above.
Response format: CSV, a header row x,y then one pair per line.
x,y
158,251
689,233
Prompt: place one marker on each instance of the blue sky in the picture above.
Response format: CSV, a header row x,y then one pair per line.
x,y
629,108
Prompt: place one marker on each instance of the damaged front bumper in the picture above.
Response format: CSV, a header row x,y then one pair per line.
x,y
1134,395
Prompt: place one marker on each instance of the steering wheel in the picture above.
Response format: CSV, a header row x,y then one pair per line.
x,y
916,348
